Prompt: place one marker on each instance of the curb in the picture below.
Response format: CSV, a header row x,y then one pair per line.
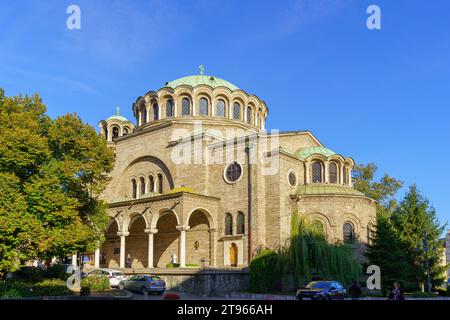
x,y
128,296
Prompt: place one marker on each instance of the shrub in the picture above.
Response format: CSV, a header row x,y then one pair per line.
x,y
85,291
51,287
172,265
264,272
96,283
10,293
29,274
420,294
57,271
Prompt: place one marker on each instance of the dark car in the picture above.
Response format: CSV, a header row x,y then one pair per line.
x,y
322,290
143,283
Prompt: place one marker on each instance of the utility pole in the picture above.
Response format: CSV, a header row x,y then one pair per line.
x,y
249,201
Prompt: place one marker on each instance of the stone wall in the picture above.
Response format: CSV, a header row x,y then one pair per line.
x,y
209,282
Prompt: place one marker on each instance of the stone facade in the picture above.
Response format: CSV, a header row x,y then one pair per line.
x,y
167,203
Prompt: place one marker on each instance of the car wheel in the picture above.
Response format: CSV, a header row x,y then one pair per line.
x,y
121,286
143,290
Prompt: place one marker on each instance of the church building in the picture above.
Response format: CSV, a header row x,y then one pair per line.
x,y
199,182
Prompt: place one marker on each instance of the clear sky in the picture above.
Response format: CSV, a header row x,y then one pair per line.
x,y
375,95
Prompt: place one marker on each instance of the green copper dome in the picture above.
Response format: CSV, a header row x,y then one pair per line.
x,y
197,80
117,116
306,152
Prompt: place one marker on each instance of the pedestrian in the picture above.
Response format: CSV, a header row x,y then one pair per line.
x,y
396,293
354,290
128,263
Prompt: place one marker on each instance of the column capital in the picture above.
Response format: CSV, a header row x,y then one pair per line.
x,y
151,231
183,228
212,230
123,233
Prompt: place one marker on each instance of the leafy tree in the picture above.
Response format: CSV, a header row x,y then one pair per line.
x,y
56,169
382,191
414,220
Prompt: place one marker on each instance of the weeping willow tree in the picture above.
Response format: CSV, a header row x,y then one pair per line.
x,y
309,255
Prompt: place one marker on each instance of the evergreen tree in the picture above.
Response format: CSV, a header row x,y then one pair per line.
x,y
386,252
414,221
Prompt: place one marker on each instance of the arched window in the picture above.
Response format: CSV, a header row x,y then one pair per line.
x,y
125,131
185,107
318,227
220,108
160,183
228,224
151,182
349,233
249,115
133,189
115,132
155,111
142,181
333,172
143,115
344,175
236,111
203,107
240,223
169,108
316,172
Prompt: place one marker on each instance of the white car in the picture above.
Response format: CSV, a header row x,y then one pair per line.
x,y
114,276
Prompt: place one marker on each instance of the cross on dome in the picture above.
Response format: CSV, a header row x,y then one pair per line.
x,y
202,69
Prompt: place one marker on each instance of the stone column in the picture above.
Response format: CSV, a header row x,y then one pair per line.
x,y
147,110
109,137
326,167
212,249
341,174
183,230
307,166
151,233
122,236
74,259
97,258
349,176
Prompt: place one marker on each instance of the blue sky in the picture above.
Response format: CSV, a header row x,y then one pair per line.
x,y
377,95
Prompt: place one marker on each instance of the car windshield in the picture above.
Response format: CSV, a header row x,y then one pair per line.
x,y
117,274
318,285
154,278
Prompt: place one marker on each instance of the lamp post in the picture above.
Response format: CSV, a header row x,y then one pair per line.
x,y
425,249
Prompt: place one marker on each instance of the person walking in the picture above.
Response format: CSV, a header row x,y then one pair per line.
x,y
355,291
396,293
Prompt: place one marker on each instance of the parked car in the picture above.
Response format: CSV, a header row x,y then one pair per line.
x,y
114,276
322,290
143,283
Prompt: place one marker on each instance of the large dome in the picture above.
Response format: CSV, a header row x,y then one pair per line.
x,y
197,80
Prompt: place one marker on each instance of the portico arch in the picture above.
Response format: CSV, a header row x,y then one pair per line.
x,y
137,243
198,240
109,251
166,240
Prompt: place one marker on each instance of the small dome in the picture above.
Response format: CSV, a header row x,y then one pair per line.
x,y
201,79
306,152
117,116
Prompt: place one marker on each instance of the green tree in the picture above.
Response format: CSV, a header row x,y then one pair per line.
x,y
385,249
386,252
413,219
383,191
56,169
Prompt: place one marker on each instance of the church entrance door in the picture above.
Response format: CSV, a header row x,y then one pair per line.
x,y
233,255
